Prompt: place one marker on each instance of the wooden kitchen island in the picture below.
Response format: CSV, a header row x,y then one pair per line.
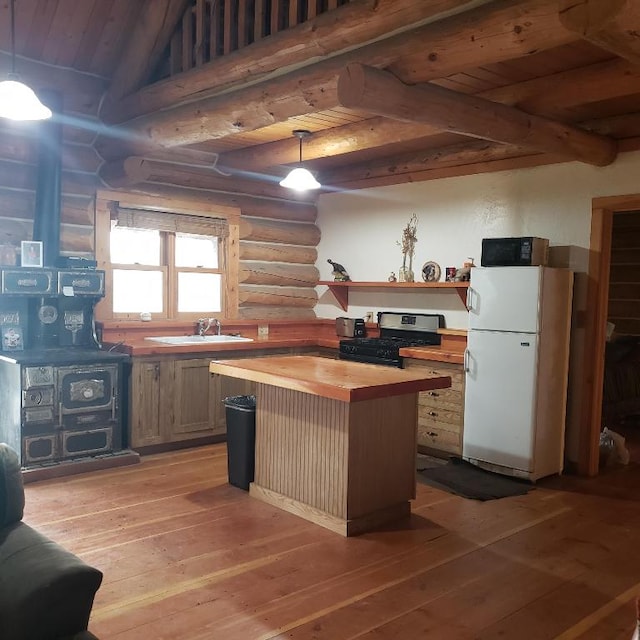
x,y
335,440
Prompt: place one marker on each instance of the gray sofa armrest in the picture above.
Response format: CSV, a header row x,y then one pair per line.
x,y
11,487
46,592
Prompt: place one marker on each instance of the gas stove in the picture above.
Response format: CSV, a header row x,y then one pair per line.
x,y
397,331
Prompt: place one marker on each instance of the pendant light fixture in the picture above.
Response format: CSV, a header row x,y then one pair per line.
x,y
300,179
17,101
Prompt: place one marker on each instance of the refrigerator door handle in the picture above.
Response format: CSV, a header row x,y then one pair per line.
x,y
469,298
465,363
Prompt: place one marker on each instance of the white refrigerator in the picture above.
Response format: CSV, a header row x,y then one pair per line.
x,y
516,365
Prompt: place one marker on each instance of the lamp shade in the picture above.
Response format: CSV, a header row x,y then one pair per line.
x,y
300,179
19,102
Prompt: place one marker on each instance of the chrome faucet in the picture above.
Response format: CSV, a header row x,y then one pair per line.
x,y
204,324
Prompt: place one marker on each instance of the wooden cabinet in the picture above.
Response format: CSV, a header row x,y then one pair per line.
x,y
172,399
194,400
440,411
145,425
175,398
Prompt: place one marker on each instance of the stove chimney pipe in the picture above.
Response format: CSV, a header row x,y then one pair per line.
x,y
46,219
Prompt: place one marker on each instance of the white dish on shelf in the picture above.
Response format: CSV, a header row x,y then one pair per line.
x,y
215,339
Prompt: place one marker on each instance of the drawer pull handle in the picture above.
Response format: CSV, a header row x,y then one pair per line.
x,y
433,413
434,394
432,434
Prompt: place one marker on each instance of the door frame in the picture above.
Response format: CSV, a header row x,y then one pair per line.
x,y
596,311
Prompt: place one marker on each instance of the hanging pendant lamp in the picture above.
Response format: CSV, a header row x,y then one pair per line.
x,y
300,179
17,100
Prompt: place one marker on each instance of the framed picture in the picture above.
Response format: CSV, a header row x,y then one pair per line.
x,y
31,253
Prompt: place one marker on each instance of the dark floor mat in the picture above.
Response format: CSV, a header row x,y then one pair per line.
x,y
469,481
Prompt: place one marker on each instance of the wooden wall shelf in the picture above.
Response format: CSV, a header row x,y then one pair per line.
x,y
341,289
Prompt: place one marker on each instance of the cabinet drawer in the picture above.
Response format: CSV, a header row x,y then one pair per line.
x,y
442,399
440,439
434,415
454,371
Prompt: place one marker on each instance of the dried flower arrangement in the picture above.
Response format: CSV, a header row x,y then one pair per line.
x,y
408,244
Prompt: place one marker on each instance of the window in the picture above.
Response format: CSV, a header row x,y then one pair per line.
x,y
171,265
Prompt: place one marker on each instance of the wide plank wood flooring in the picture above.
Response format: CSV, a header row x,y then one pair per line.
x,y
185,555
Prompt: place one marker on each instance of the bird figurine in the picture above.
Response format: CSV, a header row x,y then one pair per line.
x,y
339,272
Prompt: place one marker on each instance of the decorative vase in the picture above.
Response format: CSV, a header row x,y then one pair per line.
x,y
405,274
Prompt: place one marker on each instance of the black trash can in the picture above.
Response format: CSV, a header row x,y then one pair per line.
x,y
241,439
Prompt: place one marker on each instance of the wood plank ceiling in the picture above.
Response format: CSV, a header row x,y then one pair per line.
x,y
515,83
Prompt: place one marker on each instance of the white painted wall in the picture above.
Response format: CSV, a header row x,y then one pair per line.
x,y
360,230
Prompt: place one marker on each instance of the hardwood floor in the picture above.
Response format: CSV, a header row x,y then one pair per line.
x,y
185,555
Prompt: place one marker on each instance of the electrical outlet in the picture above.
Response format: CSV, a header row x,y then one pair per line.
x,y
263,331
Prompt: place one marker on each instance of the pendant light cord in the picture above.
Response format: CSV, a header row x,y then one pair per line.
x,y
300,141
13,37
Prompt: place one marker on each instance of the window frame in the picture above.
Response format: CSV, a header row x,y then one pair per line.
x,y
228,255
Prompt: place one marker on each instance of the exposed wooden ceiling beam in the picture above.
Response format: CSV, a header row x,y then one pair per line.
x,y
348,26
549,96
147,41
380,92
485,164
248,205
337,141
438,162
613,25
135,170
407,167
554,95
314,88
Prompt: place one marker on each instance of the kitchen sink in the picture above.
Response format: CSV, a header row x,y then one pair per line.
x,y
198,339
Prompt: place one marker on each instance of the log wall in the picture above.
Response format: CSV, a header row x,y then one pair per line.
x,y
277,247
18,170
277,238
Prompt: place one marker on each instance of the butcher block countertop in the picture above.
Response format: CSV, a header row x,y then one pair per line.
x,y
329,378
141,347
436,353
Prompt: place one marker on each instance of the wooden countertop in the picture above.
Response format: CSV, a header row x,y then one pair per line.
x,y
329,378
433,353
141,347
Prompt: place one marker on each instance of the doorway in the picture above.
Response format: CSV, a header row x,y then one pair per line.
x,y
621,385
595,326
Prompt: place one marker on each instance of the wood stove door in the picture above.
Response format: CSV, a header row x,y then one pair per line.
x,y
90,388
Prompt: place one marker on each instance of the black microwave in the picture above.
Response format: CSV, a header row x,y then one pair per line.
x,y
514,252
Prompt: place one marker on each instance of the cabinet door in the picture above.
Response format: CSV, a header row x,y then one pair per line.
x,y
145,424
194,395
